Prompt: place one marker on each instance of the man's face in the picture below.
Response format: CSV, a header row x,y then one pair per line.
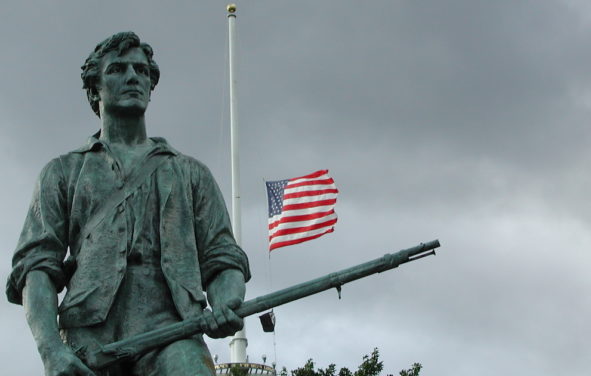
x,y
124,86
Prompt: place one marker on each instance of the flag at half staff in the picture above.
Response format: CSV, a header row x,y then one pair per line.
x,y
301,209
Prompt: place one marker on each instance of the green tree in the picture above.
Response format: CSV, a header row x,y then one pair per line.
x,y
414,371
238,371
370,366
306,370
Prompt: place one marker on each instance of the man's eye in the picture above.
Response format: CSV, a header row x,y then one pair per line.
x,y
142,70
114,69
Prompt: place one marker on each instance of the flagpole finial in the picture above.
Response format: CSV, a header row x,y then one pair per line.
x,y
231,8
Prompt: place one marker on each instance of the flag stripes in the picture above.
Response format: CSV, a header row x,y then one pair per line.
x,y
293,240
308,193
300,218
301,209
297,227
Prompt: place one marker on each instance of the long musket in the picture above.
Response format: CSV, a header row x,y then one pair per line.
x,y
128,348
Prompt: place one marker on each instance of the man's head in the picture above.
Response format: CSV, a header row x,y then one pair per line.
x,y
119,45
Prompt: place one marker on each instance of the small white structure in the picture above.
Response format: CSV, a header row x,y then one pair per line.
x,y
249,368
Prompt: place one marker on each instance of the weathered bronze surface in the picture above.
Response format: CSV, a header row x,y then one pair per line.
x,y
135,231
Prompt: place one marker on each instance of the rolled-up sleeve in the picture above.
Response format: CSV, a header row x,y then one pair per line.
x,y
43,241
216,245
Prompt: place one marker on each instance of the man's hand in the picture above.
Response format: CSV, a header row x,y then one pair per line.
x,y
40,302
225,293
63,362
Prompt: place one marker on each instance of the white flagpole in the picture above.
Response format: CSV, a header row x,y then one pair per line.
x,y
239,342
236,212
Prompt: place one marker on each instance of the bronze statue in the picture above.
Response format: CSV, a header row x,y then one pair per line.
x,y
147,232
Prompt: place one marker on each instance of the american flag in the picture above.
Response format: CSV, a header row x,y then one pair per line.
x,y
301,209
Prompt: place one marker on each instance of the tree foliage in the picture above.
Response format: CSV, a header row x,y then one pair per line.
x,y
370,366
238,371
413,371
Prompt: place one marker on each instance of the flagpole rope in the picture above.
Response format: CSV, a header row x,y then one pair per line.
x,y
266,221
274,346
270,275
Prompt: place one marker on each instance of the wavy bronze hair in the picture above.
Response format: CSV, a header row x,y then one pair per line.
x,y
120,42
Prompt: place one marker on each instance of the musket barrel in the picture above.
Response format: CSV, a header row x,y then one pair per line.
x,y
333,280
133,346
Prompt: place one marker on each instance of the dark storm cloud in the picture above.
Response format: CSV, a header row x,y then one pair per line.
x,y
480,76
462,120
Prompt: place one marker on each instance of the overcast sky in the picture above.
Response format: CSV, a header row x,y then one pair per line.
x,y
463,120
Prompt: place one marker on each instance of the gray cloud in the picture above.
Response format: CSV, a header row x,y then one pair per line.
x,y
460,120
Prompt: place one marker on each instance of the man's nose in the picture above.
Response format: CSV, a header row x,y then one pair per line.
x,y
131,75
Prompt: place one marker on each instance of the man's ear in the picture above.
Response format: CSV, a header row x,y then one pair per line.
x,y
94,95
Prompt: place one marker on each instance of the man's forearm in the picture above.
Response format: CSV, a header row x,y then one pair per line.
x,y
40,303
226,287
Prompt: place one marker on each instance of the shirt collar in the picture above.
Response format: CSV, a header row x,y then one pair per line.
x,y
94,144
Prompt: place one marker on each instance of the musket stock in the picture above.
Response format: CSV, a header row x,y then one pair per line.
x,y
137,345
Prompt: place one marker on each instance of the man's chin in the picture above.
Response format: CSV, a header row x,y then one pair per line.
x,y
130,110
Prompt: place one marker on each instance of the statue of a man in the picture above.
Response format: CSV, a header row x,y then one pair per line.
x,y
146,228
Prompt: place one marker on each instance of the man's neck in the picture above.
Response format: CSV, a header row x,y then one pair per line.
x,y
129,131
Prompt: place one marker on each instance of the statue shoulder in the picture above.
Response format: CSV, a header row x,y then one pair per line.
x,y
194,170
65,167
70,163
191,163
